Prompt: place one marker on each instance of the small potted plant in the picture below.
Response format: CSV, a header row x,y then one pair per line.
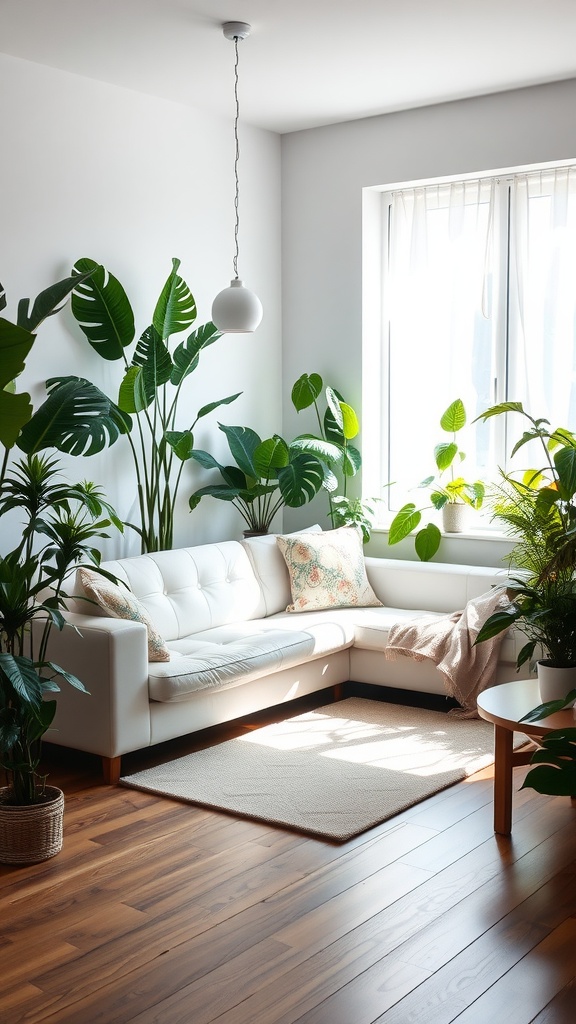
x,y
452,495
266,476
538,508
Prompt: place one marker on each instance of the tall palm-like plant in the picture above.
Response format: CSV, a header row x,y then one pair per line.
x,y
538,509
59,525
150,388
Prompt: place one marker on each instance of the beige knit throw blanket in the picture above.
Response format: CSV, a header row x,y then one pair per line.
x,y
448,641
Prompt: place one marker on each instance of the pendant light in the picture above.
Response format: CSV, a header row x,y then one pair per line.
x,y
236,310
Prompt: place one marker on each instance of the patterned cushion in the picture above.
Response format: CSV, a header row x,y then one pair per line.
x,y
327,570
121,603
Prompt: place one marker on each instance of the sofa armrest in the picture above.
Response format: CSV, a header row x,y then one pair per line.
x,y
110,658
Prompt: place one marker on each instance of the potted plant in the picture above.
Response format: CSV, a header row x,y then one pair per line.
x,y
58,523
266,476
538,508
452,495
338,425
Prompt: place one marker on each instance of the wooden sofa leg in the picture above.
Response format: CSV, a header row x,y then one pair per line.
x,y
111,770
338,691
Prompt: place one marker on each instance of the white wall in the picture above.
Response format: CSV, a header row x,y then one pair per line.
x,y
88,169
324,171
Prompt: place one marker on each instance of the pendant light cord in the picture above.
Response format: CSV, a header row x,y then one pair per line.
x,y
236,162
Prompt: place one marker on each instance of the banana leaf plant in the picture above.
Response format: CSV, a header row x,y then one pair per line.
x,y
338,425
267,475
80,419
16,341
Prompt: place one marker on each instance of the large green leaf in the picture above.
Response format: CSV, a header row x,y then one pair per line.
x,y
325,450
187,353
243,442
181,443
444,454
427,542
22,676
76,418
102,309
176,309
565,462
454,418
155,362
132,396
48,302
350,423
270,456
351,461
300,480
406,520
15,344
306,390
15,412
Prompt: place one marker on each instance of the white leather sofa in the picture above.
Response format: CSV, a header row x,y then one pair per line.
x,y
234,649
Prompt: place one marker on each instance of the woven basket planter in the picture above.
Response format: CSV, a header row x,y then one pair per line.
x,y
33,833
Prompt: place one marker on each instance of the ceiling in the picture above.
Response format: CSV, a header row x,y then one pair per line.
x,y
307,62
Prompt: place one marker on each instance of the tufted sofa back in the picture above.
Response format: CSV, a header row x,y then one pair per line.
x,y
188,589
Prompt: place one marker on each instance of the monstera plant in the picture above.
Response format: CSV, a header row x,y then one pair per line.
x,y
337,425
266,476
80,419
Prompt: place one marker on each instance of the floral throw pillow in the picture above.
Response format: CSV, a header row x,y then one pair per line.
x,y
327,570
121,603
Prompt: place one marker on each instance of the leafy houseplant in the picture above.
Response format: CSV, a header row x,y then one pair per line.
x,y
59,524
555,760
266,476
79,419
443,492
538,508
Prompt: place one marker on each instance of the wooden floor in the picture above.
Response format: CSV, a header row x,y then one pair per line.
x,y
157,912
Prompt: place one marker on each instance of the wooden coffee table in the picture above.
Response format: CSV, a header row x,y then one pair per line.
x,y
504,705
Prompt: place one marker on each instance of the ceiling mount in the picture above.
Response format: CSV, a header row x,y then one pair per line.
x,y
236,29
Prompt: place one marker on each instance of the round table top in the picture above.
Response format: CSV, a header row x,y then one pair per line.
x,y
506,704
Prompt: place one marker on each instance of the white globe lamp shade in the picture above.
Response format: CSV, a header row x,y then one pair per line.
x,y
236,310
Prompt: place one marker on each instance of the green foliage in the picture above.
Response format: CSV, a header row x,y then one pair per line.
x,y
337,426
537,508
354,512
266,476
555,759
59,525
447,455
148,394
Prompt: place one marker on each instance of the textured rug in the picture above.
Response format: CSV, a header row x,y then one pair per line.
x,y
332,772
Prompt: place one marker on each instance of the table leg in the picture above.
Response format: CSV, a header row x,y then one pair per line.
x,y
503,749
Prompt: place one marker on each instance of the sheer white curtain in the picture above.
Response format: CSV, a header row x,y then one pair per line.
x,y
542,365
437,298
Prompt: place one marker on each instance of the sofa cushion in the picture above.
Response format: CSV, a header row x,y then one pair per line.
x,y
327,570
120,603
209,665
271,570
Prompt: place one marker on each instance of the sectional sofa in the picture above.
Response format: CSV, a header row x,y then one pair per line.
x,y
233,648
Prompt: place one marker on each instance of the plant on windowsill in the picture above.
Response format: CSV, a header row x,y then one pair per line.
x,y
447,495
538,508
267,475
58,524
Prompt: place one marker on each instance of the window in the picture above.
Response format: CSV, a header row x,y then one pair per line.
x,y
470,292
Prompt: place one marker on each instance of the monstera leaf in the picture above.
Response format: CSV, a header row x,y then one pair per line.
x,y
176,309
102,309
76,418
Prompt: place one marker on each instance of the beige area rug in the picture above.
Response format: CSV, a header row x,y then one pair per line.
x,y
332,772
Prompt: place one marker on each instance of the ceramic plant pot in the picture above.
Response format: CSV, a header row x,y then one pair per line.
x,y
455,517
555,683
31,833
